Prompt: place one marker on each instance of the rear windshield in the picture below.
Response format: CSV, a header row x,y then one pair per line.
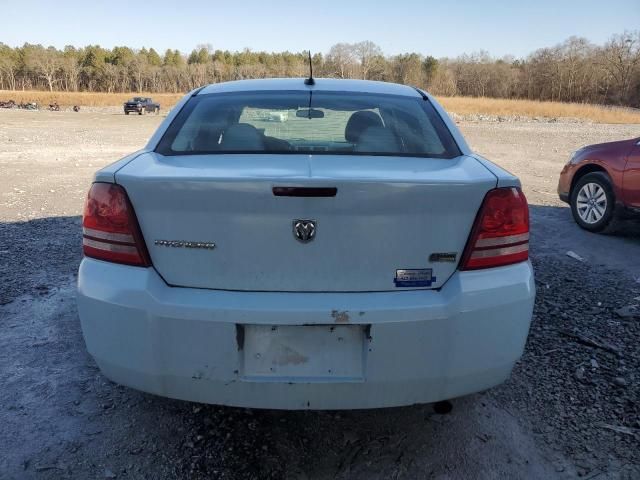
x,y
308,122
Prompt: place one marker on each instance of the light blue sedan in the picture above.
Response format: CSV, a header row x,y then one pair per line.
x,y
353,254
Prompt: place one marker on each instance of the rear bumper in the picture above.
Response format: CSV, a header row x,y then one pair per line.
x,y
419,346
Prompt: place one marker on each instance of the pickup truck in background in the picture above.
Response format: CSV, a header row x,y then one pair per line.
x,y
141,105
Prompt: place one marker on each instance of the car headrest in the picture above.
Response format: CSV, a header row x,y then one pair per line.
x,y
359,122
242,136
378,140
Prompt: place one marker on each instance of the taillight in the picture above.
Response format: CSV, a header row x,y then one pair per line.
x,y
110,229
500,235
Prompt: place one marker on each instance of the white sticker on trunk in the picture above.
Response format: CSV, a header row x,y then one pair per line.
x,y
414,277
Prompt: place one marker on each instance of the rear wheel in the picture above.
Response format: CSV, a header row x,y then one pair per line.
x,y
141,111
126,112
593,202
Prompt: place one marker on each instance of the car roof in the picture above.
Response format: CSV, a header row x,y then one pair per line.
x,y
321,84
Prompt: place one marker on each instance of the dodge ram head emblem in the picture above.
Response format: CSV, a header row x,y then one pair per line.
x,y
304,230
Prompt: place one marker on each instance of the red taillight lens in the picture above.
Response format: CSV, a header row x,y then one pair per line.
x,y
110,229
500,235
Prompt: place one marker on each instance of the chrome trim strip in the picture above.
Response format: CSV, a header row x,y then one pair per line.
x,y
110,247
490,242
498,252
115,237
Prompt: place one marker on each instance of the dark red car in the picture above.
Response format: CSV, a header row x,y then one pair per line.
x,y
602,181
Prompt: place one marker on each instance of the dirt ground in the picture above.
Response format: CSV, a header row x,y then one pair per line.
x,y
571,408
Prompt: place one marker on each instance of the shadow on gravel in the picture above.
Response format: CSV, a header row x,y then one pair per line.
x,y
578,381
554,232
37,255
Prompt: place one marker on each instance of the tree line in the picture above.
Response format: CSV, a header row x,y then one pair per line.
x,y
576,70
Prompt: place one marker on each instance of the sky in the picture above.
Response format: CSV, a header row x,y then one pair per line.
x,y
438,28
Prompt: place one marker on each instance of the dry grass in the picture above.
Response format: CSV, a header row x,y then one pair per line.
x,y
530,108
86,99
459,105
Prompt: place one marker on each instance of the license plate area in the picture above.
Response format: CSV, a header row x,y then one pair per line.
x,y
303,354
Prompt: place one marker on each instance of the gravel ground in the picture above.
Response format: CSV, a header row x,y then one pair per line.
x,y
571,408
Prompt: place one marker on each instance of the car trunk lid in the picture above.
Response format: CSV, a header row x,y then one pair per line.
x,y
390,223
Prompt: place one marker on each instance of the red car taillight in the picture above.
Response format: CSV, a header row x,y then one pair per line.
x,y
110,229
500,235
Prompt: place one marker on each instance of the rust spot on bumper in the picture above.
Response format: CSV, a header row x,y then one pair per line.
x,y
340,316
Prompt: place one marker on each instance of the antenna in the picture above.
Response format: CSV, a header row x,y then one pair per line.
x,y
310,80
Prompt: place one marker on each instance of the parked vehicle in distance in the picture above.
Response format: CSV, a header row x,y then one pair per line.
x,y
601,182
355,254
141,105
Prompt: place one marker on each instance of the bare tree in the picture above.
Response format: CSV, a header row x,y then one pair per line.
x,y
70,69
444,82
407,68
139,68
45,63
341,59
366,52
110,77
621,59
9,67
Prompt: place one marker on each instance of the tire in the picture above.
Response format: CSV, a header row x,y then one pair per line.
x,y
126,112
141,111
593,202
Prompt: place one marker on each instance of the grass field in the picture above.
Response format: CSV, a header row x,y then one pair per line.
x,y
459,105
531,108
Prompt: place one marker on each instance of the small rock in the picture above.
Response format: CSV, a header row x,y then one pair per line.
x,y
575,256
594,363
580,373
620,382
109,474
